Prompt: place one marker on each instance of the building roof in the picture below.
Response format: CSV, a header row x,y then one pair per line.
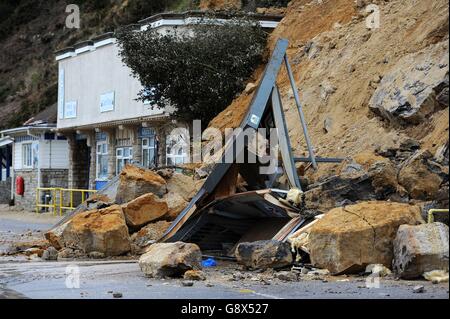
x,y
48,115
165,19
42,127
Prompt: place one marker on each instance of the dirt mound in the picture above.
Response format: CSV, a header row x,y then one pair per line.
x,y
338,64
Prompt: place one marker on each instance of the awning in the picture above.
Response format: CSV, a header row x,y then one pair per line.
x,y
4,141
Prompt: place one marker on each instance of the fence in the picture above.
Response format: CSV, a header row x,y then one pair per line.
x,y
56,199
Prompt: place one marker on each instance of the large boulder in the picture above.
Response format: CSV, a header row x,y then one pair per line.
x,y
420,249
170,259
102,230
264,254
415,87
349,238
176,204
143,210
420,176
135,181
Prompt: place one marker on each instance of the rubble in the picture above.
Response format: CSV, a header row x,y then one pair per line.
x,y
420,177
349,238
378,269
102,230
418,289
149,234
135,181
264,254
170,259
50,254
143,210
419,249
197,275
54,236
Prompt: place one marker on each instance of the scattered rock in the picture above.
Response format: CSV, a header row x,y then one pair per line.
x,y
378,269
326,89
101,230
286,276
418,289
187,283
170,259
264,254
349,238
196,275
50,254
65,253
96,255
420,249
143,210
117,295
135,181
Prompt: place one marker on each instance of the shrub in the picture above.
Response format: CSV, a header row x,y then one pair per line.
x,y
198,72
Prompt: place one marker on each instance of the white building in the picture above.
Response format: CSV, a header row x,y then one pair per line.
x,y
38,157
97,109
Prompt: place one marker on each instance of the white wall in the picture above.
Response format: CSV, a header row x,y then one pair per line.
x,y
90,74
54,154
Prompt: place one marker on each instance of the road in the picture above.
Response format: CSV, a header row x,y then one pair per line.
x,y
99,279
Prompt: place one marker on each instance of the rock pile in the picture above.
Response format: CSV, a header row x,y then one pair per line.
x,y
130,216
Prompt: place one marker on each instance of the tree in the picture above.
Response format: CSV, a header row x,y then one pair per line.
x,y
197,72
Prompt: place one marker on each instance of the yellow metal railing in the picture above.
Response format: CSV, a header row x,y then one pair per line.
x,y
59,202
433,211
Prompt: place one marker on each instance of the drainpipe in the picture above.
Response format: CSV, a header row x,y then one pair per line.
x,y
39,160
13,182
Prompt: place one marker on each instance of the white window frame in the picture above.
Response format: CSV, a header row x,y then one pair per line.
x,y
70,110
107,96
27,155
124,155
145,143
175,159
101,150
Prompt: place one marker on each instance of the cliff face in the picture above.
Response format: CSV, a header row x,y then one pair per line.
x,y
359,86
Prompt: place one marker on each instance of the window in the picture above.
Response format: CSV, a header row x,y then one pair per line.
x,y
70,110
149,151
102,160
124,155
107,102
27,155
176,150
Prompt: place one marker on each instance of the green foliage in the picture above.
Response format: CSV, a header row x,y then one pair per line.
x,y
198,72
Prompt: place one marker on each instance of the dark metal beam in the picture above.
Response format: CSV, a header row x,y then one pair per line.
x,y
320,159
